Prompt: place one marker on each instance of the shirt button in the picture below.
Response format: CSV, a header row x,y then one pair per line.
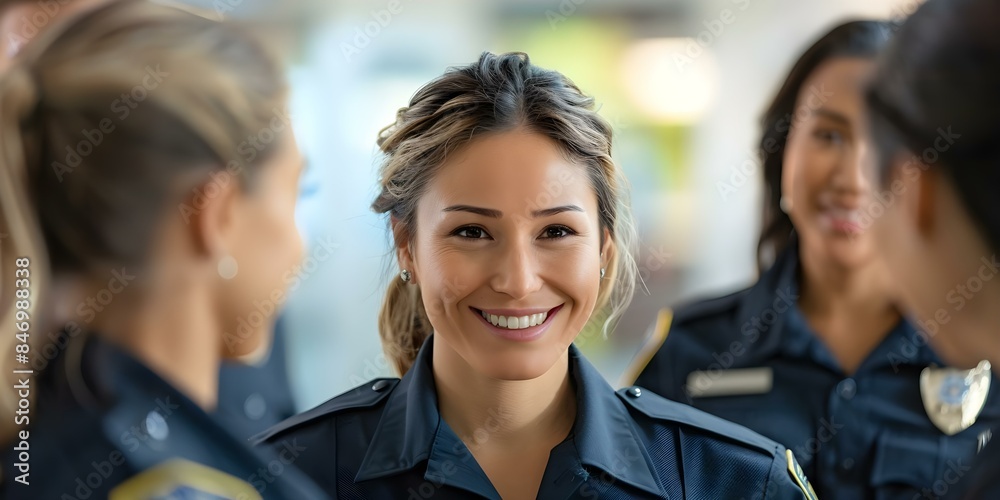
x,y
847,388
156,426
380,385
847,465
255,406
634,392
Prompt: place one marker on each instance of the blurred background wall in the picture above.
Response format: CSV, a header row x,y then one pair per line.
x,y
684,83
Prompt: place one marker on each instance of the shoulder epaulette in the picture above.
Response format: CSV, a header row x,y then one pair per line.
x,y
660,408
363,396
693,311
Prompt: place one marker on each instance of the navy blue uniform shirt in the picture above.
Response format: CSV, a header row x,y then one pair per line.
x,y
253,398
980,481
751,358
105,426
386,439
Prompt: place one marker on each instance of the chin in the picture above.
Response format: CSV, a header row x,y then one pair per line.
x,y
246,347
850,252
517,364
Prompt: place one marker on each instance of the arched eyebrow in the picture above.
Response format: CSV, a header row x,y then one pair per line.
x,y
548,212
832,115
496,214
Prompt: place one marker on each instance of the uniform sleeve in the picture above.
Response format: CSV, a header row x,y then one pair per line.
x,y
786,480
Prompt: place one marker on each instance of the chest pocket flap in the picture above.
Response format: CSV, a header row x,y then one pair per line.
x,y
909,462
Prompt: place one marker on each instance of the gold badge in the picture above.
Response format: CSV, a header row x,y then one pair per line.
x,y
953,398
182,479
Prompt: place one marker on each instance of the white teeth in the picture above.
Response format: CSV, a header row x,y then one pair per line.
x,y
515,322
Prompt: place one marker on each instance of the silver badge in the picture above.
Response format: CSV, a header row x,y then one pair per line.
x,y
953,398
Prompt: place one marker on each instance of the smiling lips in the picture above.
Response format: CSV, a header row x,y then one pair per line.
x,y
515,322
843,220
520,325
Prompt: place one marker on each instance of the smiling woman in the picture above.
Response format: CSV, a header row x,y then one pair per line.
x,y
511,229
508,260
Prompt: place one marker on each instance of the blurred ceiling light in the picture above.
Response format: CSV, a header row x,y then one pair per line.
x,y
670,80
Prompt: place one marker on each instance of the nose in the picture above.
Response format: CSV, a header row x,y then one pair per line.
x,y
517,269
848,177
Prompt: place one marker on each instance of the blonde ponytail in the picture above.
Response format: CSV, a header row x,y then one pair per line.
x,y
23,261
222,85
403,324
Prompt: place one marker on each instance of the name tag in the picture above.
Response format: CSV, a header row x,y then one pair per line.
x,y
736,382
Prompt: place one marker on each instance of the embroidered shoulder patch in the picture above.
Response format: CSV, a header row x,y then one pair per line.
x,y
799,477
183,479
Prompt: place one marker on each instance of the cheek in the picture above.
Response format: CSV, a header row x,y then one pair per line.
x,y
889,239
885,228
795,171
575,271
445,277
273,245
280,214
804,170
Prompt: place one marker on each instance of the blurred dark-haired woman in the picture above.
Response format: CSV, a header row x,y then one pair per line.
x,y
817,355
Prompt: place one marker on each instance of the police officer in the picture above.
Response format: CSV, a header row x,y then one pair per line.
x,y
932,108
134,231
816,354
254,392
506,210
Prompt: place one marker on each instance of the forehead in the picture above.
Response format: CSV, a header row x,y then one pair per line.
x,y
514,171
836,83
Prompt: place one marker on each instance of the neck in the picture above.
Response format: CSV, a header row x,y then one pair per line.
x,y
503,414
850,308
966,328
174,335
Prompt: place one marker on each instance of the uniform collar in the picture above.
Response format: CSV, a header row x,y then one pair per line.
x,y
764,309
98,376
148,421
604,432
775,296
411,431
129,396
904,345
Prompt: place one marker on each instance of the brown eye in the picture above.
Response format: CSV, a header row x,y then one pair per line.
x,y
553,232
829,136
471,232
